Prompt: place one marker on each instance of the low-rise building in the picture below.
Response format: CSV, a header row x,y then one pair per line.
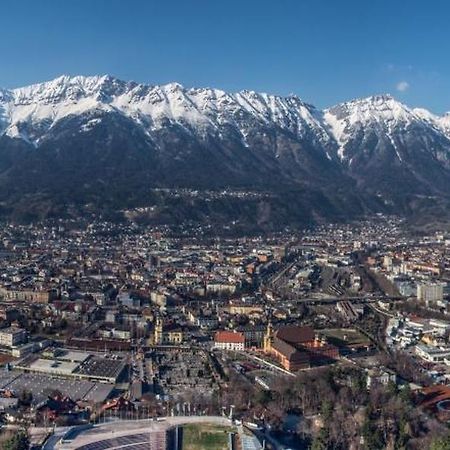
x,y
380,376
12,336
229,340
298,347
432,354
167,334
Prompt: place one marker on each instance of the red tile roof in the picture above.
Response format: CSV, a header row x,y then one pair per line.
x,y
229,337
295,335
433,395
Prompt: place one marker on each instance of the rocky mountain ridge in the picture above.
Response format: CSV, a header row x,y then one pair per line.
x,y
107,143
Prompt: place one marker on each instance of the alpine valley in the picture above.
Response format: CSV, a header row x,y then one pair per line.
x,y
81,145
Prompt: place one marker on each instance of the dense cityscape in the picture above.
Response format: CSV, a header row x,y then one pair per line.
x,y
224,225
288,337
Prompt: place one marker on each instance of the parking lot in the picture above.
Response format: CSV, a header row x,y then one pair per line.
x,y
104,369
42,385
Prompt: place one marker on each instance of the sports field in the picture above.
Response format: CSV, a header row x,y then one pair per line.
x,y
205,437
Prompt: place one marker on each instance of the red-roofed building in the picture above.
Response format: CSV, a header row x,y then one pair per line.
x,y
298,347
436,400
229,340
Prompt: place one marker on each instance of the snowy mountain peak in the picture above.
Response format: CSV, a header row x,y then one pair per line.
x,y
89,133
444,123
173,87
31,112
46,103
369,108
69,89
381,118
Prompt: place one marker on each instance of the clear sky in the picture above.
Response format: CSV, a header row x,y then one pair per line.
x,y
325,51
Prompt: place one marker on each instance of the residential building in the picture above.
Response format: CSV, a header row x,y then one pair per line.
x,y
12,336
229,340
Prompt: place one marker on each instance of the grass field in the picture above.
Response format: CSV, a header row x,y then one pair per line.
x,y
205,437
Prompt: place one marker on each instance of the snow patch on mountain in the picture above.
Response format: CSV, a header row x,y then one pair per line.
x,y
200,110
382,115
444,123
31,112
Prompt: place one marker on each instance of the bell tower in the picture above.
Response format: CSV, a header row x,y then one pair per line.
x,y
158,333
268,337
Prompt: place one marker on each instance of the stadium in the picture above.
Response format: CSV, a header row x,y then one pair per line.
x,y
152,434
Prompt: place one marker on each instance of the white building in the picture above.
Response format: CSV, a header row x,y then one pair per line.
x,y
380,376
12,336
430,293
432,354
229,340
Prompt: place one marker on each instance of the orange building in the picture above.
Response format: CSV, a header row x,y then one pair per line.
x,y
298,347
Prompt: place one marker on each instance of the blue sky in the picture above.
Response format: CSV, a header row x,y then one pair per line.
x,y
325,51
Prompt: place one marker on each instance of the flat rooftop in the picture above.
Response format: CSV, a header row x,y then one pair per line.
x,y
41,385
53,366
73,356
97,367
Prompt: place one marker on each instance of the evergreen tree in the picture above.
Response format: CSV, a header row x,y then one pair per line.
x,y
18,441
320,442
441,444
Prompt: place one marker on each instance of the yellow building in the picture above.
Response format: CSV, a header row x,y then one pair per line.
x,y
244,309
268,338
24,295
167,334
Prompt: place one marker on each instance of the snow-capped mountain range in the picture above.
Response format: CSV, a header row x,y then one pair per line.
x,y
44,104
102,128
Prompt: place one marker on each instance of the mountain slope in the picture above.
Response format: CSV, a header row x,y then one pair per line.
x,y
99,143
388,147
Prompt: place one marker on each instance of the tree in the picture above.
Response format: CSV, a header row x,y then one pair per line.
x,y
392,388
263,397
320,442
360,381
373,438
326,410
26,397
18,441
403,435
441,444
405,394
